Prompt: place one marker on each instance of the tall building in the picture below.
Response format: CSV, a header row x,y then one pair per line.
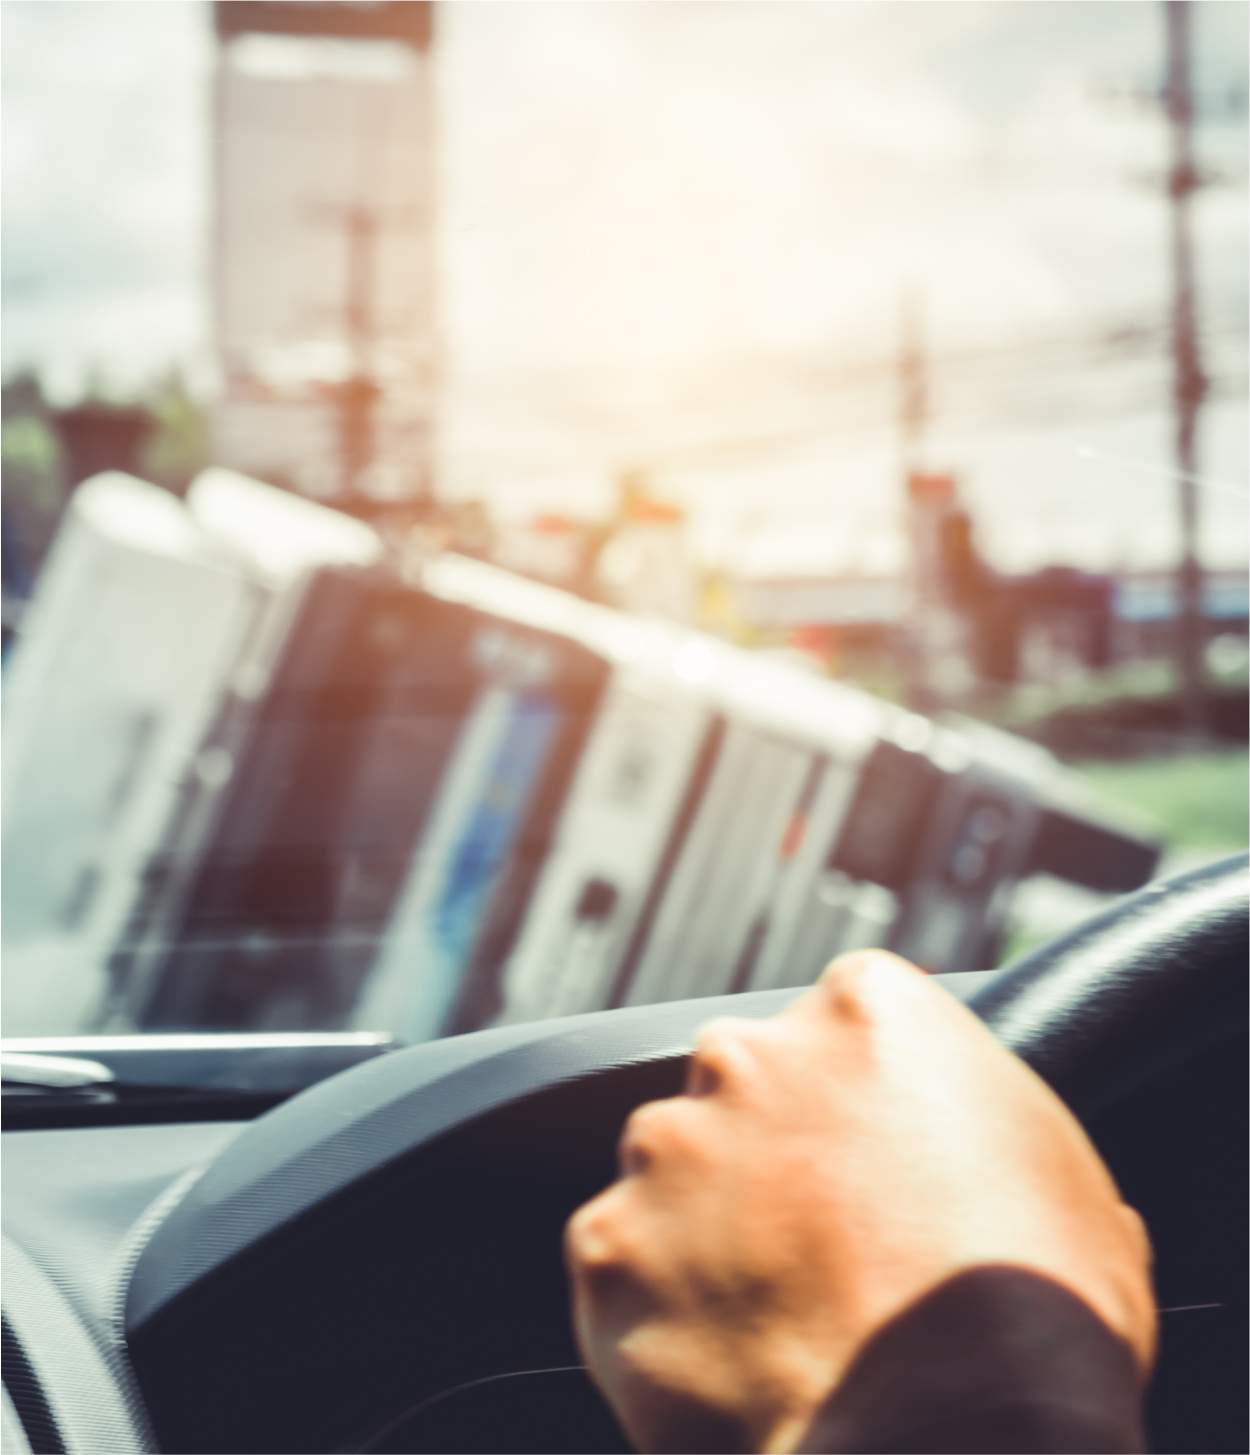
x,y
323,247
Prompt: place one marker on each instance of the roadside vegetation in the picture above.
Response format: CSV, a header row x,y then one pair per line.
x,y
1197,801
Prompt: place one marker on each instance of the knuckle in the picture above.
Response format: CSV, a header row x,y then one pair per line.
x,y
591,1238
723,1052
1137,1232
652,1131
858,986
645,1127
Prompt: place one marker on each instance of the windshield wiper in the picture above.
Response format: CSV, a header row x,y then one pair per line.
x,y
208,1070
37,1070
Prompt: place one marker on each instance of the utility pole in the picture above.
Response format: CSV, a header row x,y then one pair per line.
x,y
257,231
913,399
936,655
913,404
1189,383
360,390
358,393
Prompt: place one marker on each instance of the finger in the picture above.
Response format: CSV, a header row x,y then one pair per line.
x,y
590,1236
613,1249
856,988
725,1056
660,1133
605,1235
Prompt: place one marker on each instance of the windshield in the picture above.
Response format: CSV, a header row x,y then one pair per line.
x,y
519,510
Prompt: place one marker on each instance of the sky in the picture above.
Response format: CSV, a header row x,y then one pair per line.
x,y
670,231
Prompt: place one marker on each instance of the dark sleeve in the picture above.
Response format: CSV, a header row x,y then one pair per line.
x,y
996,1360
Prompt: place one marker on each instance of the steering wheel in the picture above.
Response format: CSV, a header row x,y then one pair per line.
x,y
1144,986
376,1264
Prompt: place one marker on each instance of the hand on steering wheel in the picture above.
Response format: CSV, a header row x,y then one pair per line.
x,y
824,1171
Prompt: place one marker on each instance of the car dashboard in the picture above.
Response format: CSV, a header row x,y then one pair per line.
x,y
376,1263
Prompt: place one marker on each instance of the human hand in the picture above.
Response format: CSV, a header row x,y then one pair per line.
x,y
824,1170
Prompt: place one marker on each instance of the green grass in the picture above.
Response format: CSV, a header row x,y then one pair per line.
x,y
1027,706
1197,801
1032,701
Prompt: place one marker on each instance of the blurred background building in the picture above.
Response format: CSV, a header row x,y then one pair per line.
x,y
323,247
907,343
910,340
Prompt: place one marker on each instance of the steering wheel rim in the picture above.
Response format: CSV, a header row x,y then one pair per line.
x,y
1154,979
525,1117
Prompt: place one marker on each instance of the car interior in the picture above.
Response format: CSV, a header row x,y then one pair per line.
x,y
374,1263
527,528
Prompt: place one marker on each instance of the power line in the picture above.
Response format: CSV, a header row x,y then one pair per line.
x,y
1189,382
358,394
726,451
988,403
1113,344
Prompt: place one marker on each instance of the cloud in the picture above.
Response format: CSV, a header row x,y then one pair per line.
x,y
105,168
642,204
651,181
